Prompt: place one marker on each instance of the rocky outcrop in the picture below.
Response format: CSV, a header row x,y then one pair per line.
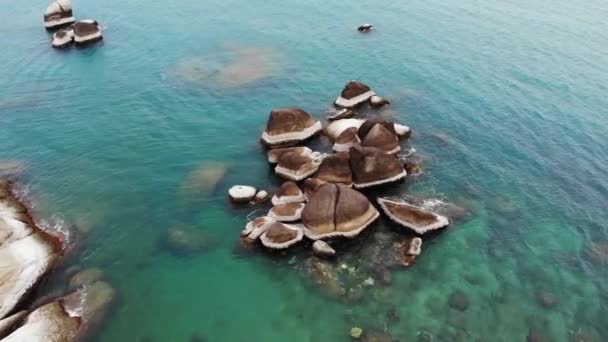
x,y
412,217
379,134
353,94
58,14
289,126
68,318
295,166
337,210
311,185
27,253
63,38
289,192
346,140
336,128
336,169
257,227
371,167
280,235
275,154
286,212
186,239
377,101
365,28
341,113
86,32
242,193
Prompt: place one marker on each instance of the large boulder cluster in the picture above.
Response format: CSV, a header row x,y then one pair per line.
x,y
27,255
58,16
320,199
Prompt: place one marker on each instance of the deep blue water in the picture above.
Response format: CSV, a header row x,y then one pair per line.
x,y
508,105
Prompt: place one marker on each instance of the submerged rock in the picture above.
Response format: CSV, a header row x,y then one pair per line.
x,y
458,300
415,218
86,32
289,126
58,13
353,94
336,210
185,239
356,332
324,277
546,299
10,168
204,179
87,276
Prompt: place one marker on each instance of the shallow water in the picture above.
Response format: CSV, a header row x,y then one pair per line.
x,y
508,105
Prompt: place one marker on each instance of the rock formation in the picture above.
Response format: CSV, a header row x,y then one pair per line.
x,y
415,218
289,126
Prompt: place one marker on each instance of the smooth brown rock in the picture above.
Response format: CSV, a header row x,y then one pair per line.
x,y
335,168
289,125
371,167
280,236
416,218
288,192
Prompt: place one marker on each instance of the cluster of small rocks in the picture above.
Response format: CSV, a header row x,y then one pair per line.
x,y
58,16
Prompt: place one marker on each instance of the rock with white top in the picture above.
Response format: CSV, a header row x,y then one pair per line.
x,y
280,235
242,193
412,217
322,249
288,126
365,27
63,38
262,196
288,192
58,14
287,212
86,32
336,128
377,101
353,94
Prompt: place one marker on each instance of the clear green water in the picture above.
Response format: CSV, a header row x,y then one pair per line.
x,y
507,101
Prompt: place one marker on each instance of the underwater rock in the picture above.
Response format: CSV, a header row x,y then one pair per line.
x,y
353,94
504,207
87,276
10,168
380,135
341,113
275,154
407,251
86,31
377,101
458,300
204,179
324,277
296,167
58,13
372,167
287,126
242,193
288,192
413,165
365,28
536,336
197,337
337,210
335,168
409,216
356,332
286,212
280,235
599,251
27,253
63,38
546,299
392,315
185,239
346,140
377,336
322,249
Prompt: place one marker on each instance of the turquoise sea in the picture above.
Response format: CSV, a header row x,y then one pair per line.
x,y
508,104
